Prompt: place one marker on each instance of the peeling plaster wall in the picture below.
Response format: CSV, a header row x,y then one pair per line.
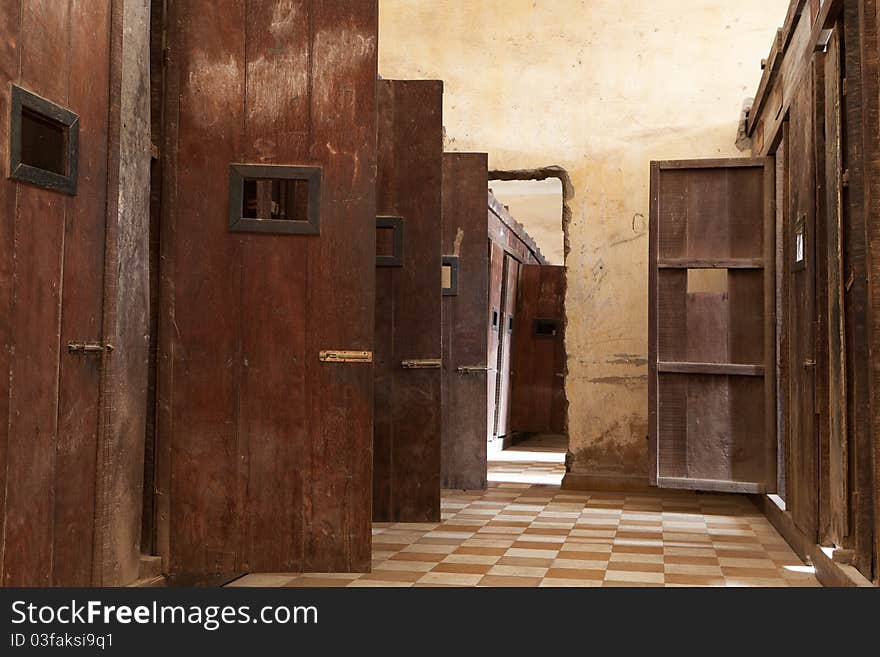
x,y
600,88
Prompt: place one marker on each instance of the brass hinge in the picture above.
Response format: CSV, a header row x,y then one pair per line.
x,y
346,356
424,364
87,347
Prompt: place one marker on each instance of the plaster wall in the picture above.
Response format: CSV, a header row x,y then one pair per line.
x,y
600,88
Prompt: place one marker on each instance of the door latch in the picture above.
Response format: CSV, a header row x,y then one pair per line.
x,y
809,363
346,356
423,364
87,347
474,369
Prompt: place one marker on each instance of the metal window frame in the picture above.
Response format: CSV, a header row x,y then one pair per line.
x,y
21,99
800,228
396,224
451,262
238,173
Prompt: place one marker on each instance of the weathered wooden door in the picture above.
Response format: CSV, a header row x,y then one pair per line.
x,y
406,450
266,328
711,388
538,382
465,315
508,317
54,104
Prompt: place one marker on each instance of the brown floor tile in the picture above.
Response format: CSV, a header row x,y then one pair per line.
x,y
525,561
462,568
481,551
573,573
508,582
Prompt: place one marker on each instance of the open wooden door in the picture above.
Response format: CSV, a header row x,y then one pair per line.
x,y
406,450
54,135
508,317
465,315
711,324
265,390
538,381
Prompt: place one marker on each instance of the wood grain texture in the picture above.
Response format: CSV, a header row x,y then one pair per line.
x,y
465,231
51,293
712,333
406,451
264,453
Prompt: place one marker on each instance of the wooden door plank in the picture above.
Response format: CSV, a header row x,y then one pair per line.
x,y
39,222
84,248
341,301
10,20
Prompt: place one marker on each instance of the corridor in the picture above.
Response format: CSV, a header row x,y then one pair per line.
x,y
526,532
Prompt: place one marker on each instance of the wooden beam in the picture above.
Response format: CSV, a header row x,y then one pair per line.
x,y
713,263
720,369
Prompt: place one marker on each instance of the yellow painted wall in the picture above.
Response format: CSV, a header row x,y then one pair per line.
x,y
599,87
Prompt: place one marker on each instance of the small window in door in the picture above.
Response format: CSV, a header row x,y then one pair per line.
x,y
545,328
389,241
274,199
449,276
800,243
43,142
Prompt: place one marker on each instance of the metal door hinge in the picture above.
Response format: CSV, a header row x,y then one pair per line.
x,y
423,364
88,347
474,369
346,356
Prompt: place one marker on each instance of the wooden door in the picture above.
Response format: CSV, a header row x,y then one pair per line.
x,y
494,321
266,327
54,103
538,398
465,313
508,318
800,361
406,450
711,388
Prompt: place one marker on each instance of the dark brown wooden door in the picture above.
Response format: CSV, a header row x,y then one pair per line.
x,y
508,318
538,397
51,291
800,361
406,450
712,334
465,314
265,385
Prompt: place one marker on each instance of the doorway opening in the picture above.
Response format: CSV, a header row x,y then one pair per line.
x,y
529,356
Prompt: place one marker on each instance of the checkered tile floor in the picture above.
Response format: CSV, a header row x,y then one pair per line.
x,y
525,531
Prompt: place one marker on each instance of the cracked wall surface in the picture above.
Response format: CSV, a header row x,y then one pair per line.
x,y
601,88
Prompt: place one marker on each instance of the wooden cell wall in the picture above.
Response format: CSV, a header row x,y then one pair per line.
x,y
406,451
494,321
264,451
464,414
538,364
510,247
51,287
826,99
